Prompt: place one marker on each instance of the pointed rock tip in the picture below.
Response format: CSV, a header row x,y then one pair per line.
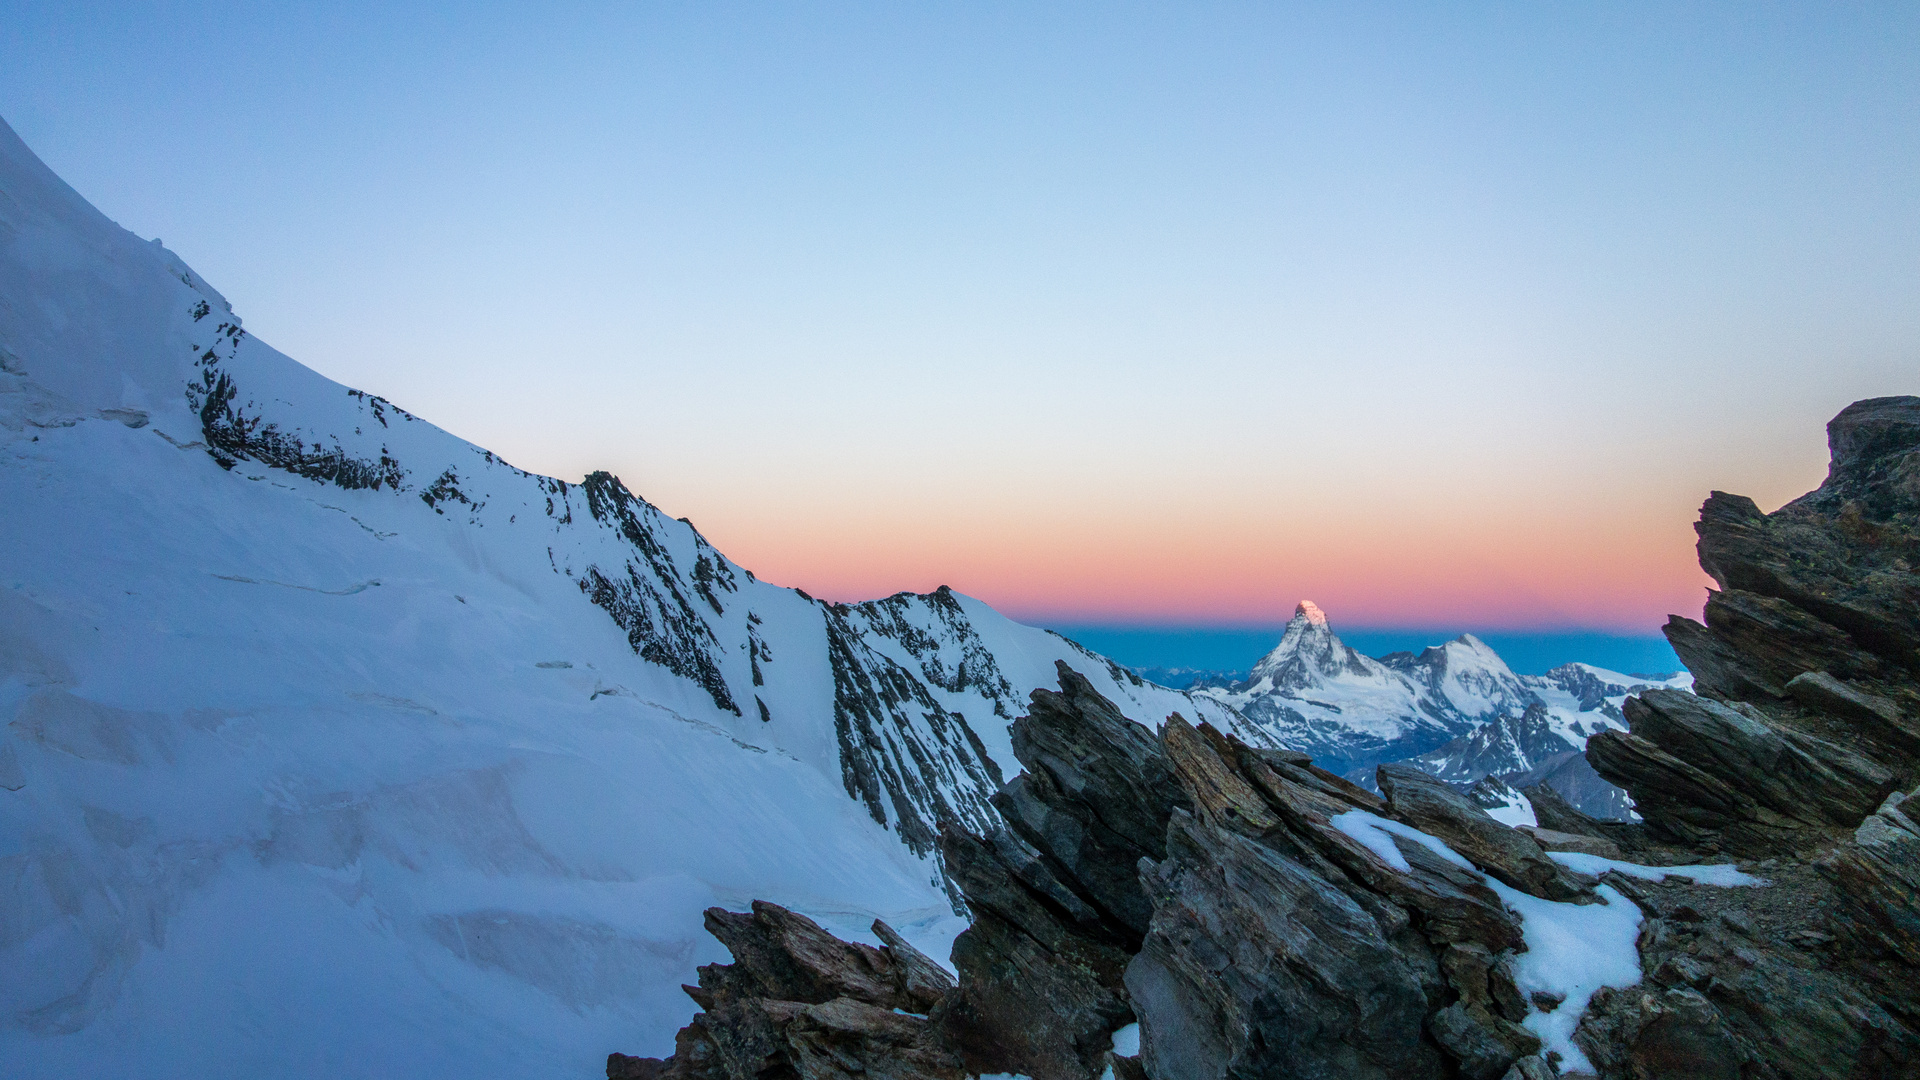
x,y
1311,612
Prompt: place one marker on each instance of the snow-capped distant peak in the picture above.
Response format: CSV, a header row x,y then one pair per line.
x,y
1308,653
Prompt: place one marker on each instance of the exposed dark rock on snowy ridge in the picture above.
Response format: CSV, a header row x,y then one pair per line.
x,y
1294,934
910,758
797,1001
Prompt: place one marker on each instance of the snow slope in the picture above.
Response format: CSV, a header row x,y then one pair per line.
x,y
336,746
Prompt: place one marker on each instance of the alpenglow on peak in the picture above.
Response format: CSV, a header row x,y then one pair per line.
x,y
1312,612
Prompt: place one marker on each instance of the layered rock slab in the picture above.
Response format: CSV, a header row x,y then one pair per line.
x,y
798,1001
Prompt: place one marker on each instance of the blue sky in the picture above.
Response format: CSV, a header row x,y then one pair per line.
x,y
1117,314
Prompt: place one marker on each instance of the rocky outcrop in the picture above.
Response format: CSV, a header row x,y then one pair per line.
x,y
1056,896
1750,983
797,1001
1282,945
1507,853
1259,916
1275,942
1720,775
1808,712
1795,752
1096,795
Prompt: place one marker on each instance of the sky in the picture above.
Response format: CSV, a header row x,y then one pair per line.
x,y
1446,316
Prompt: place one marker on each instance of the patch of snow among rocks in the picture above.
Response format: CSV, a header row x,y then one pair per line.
x,y
1517,810
1572,949
1725,874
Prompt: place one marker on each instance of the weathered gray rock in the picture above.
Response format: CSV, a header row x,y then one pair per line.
x,y
1530,1069
1431,910
1752,645
1256,966
1485,1045
1697,767
1887,719
798,1001
1878,875
784,955
1732,982
1057,899
1040,992
1791,773
1680,802
1512,856
1841,553
1094,798
1549,840
917,979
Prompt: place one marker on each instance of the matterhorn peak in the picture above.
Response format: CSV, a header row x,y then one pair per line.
x,y
1310,611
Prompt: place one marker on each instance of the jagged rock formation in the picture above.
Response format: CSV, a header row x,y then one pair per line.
x,y
797,1001
1796,751
1301,926
1806,666
1270,937
1057,901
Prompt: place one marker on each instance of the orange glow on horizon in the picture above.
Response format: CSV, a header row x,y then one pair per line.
x,y
1515,572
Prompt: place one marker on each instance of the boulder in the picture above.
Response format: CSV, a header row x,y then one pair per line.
x,y
1549,840
1485,1045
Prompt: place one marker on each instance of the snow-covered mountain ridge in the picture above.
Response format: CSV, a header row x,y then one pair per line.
x,y
336,745
1456,709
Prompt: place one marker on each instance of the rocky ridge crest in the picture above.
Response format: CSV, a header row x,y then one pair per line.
x,y
1280,920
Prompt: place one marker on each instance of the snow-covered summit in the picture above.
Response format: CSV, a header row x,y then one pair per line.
x,y
337,746
1455,708
1309,654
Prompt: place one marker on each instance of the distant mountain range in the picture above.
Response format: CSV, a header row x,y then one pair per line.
x,y
1456,710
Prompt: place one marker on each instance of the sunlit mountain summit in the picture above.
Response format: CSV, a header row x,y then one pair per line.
x,y
1455,708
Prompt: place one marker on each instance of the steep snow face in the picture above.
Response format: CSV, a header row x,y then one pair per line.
x,y
1468,677
337,746
1455,709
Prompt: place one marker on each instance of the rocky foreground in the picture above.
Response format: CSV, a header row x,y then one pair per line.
x,y
1258,916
